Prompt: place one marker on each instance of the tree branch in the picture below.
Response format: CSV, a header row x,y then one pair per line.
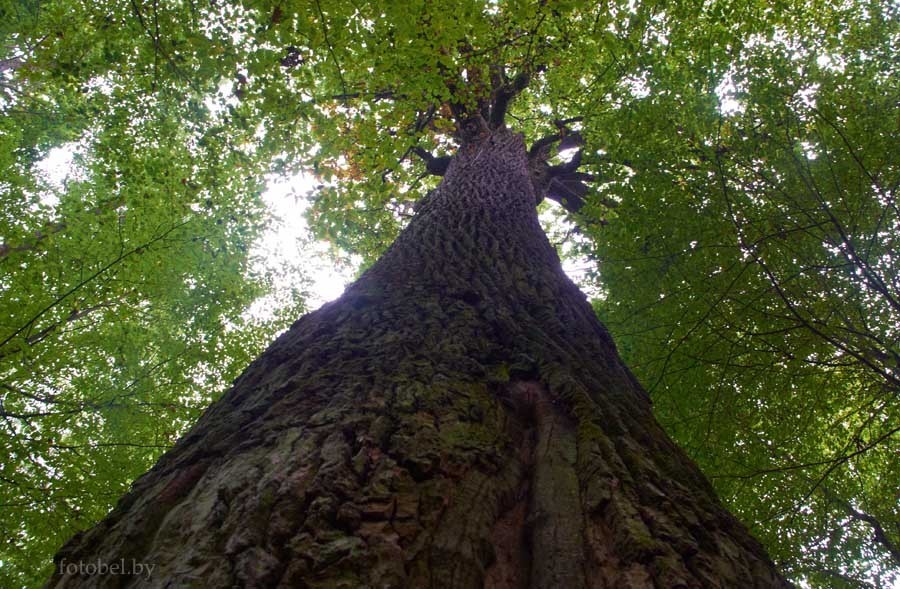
x,y
36,238
436,166
337,64
565,137
878,532
504,94
87,280
381,95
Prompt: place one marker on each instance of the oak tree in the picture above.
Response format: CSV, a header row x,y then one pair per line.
x,y
728,165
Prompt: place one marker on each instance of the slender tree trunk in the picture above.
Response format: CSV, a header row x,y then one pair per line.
x,y
458,418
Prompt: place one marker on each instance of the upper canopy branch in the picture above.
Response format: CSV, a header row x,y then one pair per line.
x,y
562,182
566,137
484,95
433,164
504,90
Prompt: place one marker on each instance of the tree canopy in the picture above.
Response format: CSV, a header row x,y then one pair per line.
x,y
737,193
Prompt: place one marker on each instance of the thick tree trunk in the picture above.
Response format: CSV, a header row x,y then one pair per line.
x,y
459,418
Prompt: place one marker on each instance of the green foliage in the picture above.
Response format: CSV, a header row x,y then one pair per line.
x,y
769,340
123,291
744,225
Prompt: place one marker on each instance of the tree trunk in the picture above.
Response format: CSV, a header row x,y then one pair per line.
x,y
458,418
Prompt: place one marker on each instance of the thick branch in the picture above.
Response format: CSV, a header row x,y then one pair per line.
x,y
570,190
568,167
504,95
35,239
563,182
878,532
540,148
567,139
436,166
11,64
566,185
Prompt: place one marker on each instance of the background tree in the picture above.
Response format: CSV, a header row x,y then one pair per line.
x,y
123,289
730,143
771,344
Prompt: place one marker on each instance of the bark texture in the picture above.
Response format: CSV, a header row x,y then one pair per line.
x,y
458,418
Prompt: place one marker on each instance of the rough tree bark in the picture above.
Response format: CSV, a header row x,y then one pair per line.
x,y
458,418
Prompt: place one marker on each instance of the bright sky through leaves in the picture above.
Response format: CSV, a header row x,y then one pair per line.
x,y
287,241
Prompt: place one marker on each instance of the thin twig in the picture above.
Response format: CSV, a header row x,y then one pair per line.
x,y
337,63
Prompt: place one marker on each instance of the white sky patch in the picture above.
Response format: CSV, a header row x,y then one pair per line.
x,y
577,267
831,63
637,85
566,155
288,241
807,95
809,150
102,84
727,92
56,169
224,98
286,247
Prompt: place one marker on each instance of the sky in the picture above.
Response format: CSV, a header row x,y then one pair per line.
x,y
288,239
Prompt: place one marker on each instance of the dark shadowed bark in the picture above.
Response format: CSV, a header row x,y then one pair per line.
x,y
458,418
